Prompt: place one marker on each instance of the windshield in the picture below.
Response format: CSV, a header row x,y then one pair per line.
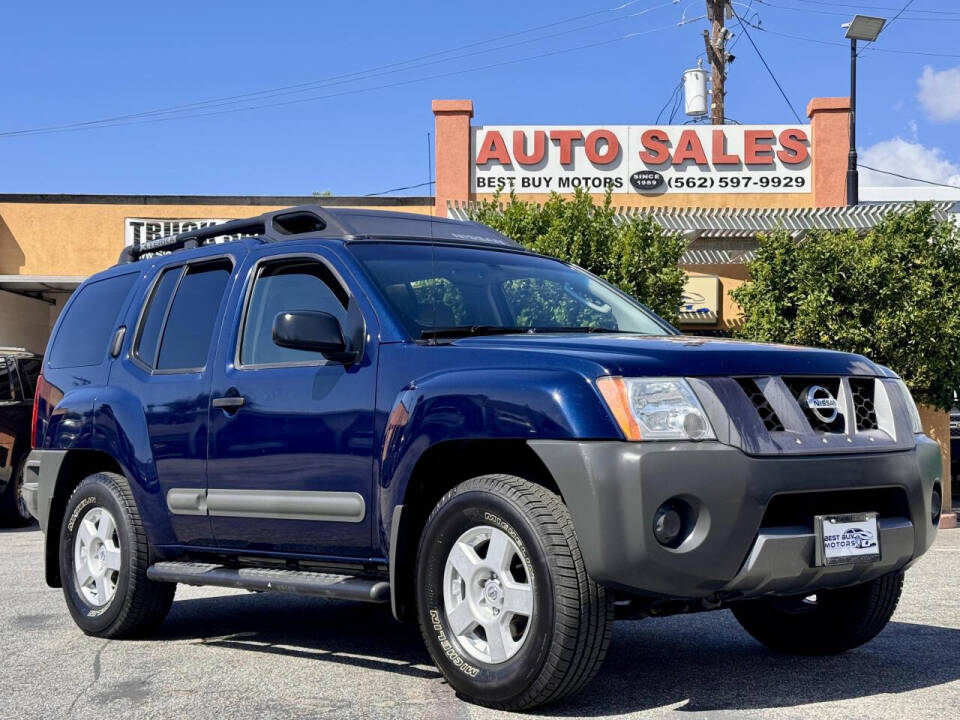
x,y
443,291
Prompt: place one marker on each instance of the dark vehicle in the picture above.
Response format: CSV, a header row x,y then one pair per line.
x,y
388,408
18,377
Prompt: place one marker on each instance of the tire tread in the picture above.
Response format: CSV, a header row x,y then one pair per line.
x,y
145,602
583,610
848,618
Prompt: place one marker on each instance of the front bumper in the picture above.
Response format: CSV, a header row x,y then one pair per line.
x,y
736,548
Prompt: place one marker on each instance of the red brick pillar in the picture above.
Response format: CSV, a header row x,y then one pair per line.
x,y
452,120
830,143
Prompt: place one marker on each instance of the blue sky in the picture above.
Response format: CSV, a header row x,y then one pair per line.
x,y
63,63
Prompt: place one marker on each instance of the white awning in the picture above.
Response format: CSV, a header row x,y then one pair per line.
x,y
728,235
41,286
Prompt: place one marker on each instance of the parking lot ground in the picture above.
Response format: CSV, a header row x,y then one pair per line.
x,y
225,655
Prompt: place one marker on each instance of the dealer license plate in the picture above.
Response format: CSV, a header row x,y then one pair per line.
x,y
847,539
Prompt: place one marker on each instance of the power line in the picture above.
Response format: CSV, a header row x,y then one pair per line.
x,y
397,189
378,71
676,89
819,11
743,26
860,6
142,121
892,21
837,43
907,177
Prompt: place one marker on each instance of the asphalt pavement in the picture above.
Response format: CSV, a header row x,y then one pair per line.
x,y
225,654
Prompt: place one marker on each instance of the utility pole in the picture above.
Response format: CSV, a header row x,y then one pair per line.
x,y
853,179
715,43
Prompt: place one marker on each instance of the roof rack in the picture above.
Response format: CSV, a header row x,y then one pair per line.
x,y
318,221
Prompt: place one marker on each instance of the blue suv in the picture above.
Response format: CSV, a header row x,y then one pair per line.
x,y
397,409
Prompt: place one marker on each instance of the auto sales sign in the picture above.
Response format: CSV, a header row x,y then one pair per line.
x,y
645,159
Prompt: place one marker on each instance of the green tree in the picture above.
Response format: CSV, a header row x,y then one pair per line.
x,y
892,295
637,255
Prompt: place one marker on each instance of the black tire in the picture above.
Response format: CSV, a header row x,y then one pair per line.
x,y
838,620
569,630
13,512
139,605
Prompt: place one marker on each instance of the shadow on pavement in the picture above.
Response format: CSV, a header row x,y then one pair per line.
x,y
347,633
707,662
694,662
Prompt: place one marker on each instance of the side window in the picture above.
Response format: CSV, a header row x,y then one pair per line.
x,y
299,284
90,319
152,324
188,329
6,380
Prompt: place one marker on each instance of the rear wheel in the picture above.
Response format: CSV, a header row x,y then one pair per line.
x,y
13,509
505,605
103,562
826,623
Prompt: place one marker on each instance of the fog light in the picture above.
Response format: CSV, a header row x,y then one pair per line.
x,y
695,426
936,504
667,525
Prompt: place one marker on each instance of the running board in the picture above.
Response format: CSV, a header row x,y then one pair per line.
x,y
300,582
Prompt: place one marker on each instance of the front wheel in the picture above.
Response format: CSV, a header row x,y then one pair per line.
x,y
103,562
826,623
505,605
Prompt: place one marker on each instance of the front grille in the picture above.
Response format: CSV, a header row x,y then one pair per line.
x,y
955,424
766,412
812,415
799,386
800,508
862,391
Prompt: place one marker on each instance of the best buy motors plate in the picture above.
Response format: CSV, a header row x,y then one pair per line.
x,y
847,539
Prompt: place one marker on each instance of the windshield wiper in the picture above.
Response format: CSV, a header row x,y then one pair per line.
x,y
469,330
584,329
456,331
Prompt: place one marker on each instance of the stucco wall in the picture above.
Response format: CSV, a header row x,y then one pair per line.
x,y
936,424
24,322
50,238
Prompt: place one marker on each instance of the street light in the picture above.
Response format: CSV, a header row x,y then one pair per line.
x,y
862,27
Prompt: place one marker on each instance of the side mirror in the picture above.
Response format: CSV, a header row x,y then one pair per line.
x,y
314,331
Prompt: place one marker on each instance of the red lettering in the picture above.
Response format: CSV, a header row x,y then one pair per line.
x,y
612,150
719,150
493,148
539,147
566,138
655,144
689,148
794,147
752,147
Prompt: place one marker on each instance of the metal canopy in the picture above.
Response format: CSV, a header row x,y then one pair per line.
x,y
41,283
724,236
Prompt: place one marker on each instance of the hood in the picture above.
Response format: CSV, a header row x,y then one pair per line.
x,y
682,355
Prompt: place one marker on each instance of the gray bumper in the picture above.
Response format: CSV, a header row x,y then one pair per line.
x,y
39,478
740,544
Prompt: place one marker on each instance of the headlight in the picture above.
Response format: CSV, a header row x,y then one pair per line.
x,y
655,408
911,406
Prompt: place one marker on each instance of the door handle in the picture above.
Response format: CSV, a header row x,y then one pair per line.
x,y
229,402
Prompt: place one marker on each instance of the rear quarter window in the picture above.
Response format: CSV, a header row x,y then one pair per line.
x,y
88,322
